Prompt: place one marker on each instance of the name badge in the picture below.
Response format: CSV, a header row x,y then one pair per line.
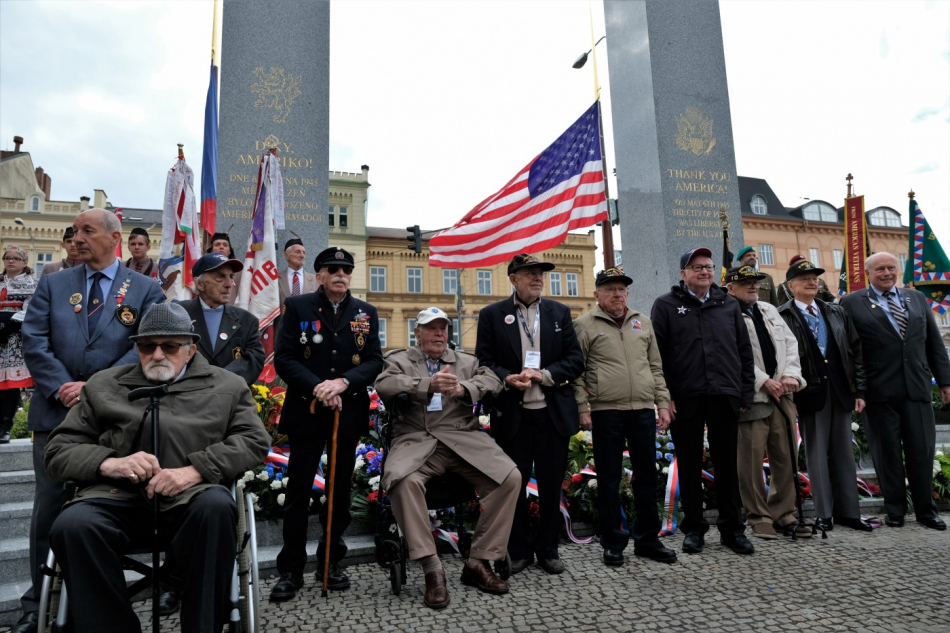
x,y
532,359
436,403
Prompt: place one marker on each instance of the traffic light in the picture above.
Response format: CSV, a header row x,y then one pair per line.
x,y
415,236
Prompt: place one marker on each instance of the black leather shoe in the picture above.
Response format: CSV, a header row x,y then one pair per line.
x,y
659,553
613,557
693,543
826,524
169,602
934,523
286,588
336,579
5,437
27,623
551,565
738,543
858,524
891,521
519,564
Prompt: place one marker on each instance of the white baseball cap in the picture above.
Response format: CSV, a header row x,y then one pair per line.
x,y
429,315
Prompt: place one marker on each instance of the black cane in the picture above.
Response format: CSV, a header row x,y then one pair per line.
x,y
153,394
799,498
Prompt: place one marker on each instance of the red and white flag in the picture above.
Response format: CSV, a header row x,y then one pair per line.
x,y
562,189
258,293
179,231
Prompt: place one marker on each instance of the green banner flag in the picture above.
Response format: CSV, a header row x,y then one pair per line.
x,y
928,269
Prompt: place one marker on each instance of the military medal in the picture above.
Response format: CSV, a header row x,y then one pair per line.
x,y
303,334
317,338
237,353
306,352
120,296
126,315
356,359
77,309
360,328
75,298
682,309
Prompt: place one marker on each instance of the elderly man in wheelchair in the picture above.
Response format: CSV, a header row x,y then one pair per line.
x,y
437,434
209,435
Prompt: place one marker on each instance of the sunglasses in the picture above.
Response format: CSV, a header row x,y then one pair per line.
x,y
347,270
168,349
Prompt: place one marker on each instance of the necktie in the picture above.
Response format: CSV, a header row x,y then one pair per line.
x,y
897,311
96,304
296,289
821,335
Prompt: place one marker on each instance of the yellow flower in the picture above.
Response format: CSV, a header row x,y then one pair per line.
x,y
580,436
258,406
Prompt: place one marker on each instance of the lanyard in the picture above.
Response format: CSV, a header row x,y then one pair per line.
x,y
432,370
524,324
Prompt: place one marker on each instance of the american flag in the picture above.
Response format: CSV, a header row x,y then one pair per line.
x,y
560,190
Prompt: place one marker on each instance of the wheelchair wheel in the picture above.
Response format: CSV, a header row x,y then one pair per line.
x,y
248,575
395,578
503,567
52,607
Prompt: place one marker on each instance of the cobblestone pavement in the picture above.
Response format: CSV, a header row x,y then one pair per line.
x,y
889,580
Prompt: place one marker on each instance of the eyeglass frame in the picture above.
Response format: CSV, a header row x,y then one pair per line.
x,y
334,268
698,268
150,347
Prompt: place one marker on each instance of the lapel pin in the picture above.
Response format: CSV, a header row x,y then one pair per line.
x,y
509,319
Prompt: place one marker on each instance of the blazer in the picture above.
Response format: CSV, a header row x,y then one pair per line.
x,y
895,368
338,353
58,346
309,285
498,346
241,352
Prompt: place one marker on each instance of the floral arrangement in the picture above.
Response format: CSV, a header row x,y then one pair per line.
x,y
942,476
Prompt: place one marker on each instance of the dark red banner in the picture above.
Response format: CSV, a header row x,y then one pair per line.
x,y
855,243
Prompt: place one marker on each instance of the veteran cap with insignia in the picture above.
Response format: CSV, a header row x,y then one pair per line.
x,y
333,256
690,254
614,273
429,315
211,261
802,267
743,273
525,261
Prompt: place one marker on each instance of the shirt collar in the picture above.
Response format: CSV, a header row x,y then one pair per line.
x,y
701,299
205,306
880,293
802,306
109,271
519,302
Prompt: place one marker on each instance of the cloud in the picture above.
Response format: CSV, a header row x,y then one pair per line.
x,y
923,169
885,47
925,113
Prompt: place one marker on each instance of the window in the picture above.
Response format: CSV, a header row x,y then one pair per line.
x,y
618,258
41,260
456,333
820,212
837,254
813,257
884,217
35,204
383,329
330,216
414,280
450,281
412,335
759,205
944,319
555,284
377,279
765,255
902,260
571,279
343,218
484,282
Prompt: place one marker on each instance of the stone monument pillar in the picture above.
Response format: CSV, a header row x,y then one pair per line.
x,y
675,159
275,88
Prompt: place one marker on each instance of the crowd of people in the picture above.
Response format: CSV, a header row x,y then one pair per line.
x,y
731,365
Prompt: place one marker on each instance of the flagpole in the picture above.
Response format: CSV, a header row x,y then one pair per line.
x,y
607,234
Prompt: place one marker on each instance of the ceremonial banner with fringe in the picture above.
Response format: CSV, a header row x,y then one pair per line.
x,y
855,243
179,232
929,269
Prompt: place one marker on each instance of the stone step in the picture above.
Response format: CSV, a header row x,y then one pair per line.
x,y
14,559
943,437
17,455
15,518
16,486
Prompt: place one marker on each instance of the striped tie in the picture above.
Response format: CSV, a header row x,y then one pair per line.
x,y
296,288
897,311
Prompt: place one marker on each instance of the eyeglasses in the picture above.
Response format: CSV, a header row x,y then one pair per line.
x,y
13,259
347,270
698,269
169,348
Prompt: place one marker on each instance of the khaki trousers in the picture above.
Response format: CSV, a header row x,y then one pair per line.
x,y
756,438
497,506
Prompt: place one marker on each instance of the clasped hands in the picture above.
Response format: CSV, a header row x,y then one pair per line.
x,y
446,383
328,392
68,394
522,381
142,467
778,388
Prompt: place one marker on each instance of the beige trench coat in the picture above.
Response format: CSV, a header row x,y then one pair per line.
x,y
416,436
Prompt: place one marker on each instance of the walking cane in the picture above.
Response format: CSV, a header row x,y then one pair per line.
x,y
329,530
153,394
799,498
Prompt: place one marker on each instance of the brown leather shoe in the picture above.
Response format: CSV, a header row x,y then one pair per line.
x,y
484,578
437,593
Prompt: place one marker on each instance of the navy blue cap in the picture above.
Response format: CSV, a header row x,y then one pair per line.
x,y
212,261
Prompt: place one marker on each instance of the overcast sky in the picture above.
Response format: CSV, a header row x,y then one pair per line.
x,y
445,101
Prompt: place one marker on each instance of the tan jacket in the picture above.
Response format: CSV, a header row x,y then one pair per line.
x,y
417,434
786,350
622,366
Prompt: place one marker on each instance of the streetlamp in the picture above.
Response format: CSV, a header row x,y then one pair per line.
x,y
30,233
606,230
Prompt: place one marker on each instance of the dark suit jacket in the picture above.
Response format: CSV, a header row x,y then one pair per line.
x,y
58,346
244,335
337,355
899,369
499,348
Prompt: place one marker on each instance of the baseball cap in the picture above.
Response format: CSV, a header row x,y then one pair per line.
x,y
690,254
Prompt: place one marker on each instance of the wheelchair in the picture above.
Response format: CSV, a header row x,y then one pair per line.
x,y
447,491
245,596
